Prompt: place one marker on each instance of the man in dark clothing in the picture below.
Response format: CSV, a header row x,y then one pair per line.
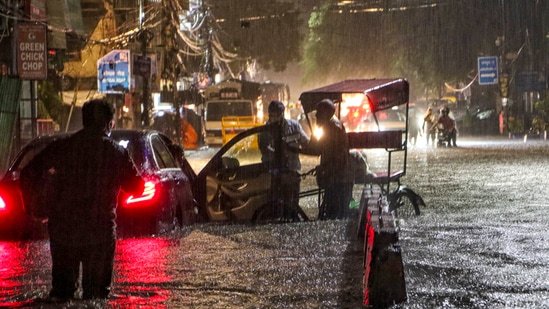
x,y
87,170
280,148
333,174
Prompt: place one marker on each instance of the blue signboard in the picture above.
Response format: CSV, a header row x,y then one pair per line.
x,y
113,72
487,70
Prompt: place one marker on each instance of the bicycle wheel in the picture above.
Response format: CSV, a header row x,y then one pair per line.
x,y
404,207
299,215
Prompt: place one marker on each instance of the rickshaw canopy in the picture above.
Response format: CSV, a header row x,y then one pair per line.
x,y
381,93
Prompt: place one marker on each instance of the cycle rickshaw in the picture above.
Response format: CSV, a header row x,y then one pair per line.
x,y
375,115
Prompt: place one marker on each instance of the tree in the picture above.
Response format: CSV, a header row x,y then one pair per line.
x,y
427,44
265,30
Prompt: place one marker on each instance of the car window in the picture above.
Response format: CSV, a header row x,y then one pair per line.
x,y
29,155
246,151
162,154
217,109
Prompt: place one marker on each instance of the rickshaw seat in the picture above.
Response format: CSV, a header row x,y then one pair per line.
x,y
391,141
383,177
370,140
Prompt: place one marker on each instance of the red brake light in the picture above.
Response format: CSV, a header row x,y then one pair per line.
x,y
2,204
149,192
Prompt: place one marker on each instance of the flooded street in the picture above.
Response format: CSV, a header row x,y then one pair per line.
x,y
481,242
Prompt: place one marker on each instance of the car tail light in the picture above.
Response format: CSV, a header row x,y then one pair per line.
x,y
8,201
150,192
2,203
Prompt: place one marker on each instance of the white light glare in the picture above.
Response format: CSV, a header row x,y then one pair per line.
x,y
318,133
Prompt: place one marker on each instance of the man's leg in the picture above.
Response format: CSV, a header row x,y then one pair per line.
x,y
97,268
331,199
345,194
290,184
65,270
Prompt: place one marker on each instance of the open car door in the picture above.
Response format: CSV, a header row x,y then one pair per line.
x,y
235,183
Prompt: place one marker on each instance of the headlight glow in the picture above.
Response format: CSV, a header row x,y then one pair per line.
x,y
318,133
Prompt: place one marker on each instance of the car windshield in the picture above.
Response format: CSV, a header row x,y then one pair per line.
x,y
246,151
358,120
215,110
132,145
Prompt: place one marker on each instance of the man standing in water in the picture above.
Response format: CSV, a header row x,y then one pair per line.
x,y
280,148
87,170
333,173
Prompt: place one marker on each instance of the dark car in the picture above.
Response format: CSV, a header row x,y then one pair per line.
x,y
166,201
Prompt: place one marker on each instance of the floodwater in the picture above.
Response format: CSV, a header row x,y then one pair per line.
x,y
481,242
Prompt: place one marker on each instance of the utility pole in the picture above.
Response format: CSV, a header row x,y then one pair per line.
x,y
206,35
144,39
504,76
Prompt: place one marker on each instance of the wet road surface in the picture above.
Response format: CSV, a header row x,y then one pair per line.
x,y
482,242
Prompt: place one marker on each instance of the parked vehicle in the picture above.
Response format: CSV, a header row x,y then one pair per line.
x,y
166,201
233,99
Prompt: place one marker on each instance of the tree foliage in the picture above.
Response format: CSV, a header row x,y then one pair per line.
x,y
52,103
427,42
264,30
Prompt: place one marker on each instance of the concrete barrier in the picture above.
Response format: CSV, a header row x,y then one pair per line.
x,y
383,283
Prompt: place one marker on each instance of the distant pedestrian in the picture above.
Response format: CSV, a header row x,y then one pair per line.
x,y
334,173
413,127
280,147
429,119
87,170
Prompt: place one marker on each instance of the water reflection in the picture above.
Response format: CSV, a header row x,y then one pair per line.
x,y
141,276
22,272
10,270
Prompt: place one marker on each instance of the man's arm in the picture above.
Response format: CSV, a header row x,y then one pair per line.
x,y
36,177
38,165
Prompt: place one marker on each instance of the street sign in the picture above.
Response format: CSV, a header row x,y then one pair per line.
x,y
487,70
31,51
36,9
113,72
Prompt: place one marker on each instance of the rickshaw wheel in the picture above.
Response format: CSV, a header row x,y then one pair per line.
x,y
264,214
405,208
267,214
